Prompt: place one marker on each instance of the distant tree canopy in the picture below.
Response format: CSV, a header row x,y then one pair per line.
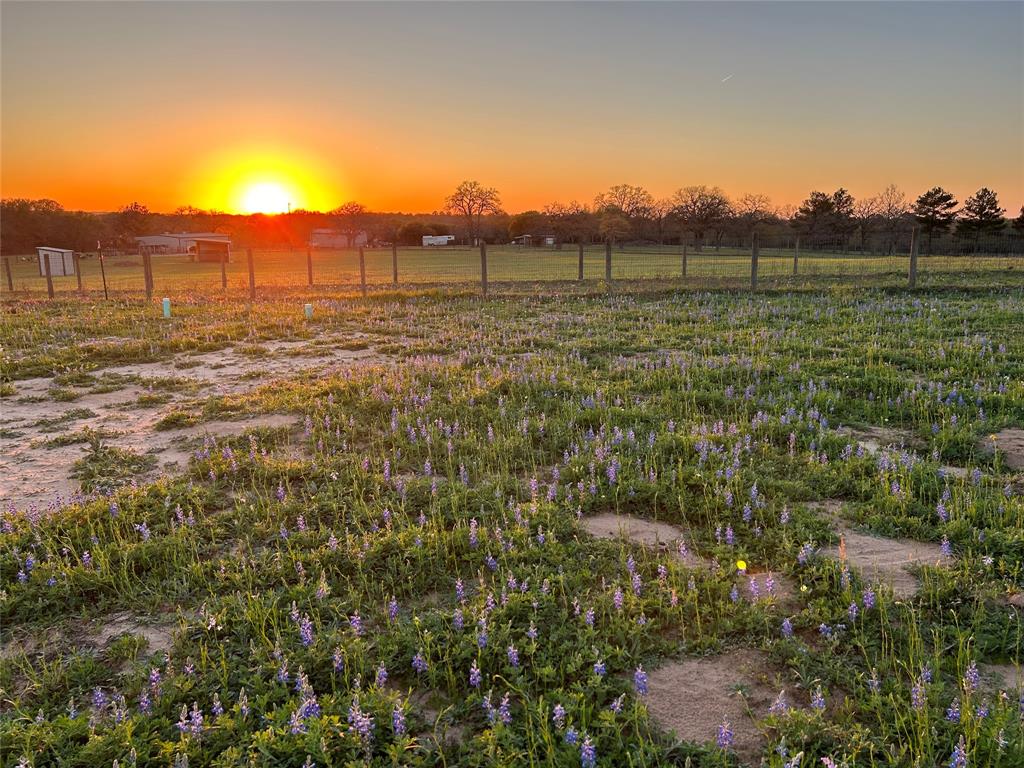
x,y
624,213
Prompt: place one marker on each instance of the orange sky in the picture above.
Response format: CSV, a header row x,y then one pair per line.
x,y
393,105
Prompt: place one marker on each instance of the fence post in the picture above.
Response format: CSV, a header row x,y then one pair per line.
x,y
579,265
224,271
49,276
684,261
103,274
362,271
309,266
76,259
394,264
147,272
252,273
796,254
7,270
913,258
608,260
754,253
483,267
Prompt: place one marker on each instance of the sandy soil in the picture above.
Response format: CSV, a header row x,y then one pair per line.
x,y
34,473
874,439
887,560
692,697
1010,444
649,533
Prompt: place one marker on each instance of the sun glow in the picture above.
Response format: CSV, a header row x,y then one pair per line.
x,y
266,197
264,179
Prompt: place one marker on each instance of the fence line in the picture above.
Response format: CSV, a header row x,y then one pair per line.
x,y
764,263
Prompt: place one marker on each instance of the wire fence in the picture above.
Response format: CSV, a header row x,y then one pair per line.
x,y
760,263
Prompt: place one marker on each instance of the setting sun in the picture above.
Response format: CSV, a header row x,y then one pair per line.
x,y
265,197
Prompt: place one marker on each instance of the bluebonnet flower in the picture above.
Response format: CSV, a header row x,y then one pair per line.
x,y
398,720
381,677
787,628
571,736
818,699
558,716
513,656
599,668
419,663
971,677
959,757
640,681
588,754
474,675
724,736
953,711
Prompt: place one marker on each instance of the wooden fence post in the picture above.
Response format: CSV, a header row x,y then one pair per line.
x,y
103,274
10,277
394,264
796,254
579,265
252,273
78,270
684,261
362,271
608,261
913,258
147,273
49,276
309,266
483,267
223,270
754,253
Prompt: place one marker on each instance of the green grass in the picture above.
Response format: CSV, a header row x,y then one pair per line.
x,y
728,266
468,456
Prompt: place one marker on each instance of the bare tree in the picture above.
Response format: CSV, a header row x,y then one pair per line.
x,y
750,211
472,201
892,212
863,214
634,203
700,208
352,220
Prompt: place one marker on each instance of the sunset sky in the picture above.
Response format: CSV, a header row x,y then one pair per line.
x,y
237,105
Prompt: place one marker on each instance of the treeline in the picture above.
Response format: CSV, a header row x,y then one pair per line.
x,y
699,215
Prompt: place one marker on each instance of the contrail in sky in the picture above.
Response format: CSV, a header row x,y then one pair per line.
x,y
727,77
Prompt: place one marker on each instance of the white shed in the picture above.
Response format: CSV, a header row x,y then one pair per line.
x,y
62,260
438,239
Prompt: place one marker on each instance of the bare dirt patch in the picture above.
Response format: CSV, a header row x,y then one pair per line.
x,y
649,533
887,560
1010,445
1007,677
874,439
35,468
159,636
693,697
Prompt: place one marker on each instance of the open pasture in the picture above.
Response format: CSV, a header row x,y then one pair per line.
x,y
510,265
424,529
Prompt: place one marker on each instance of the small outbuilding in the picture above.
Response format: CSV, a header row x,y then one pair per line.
x,y
215,250
62,260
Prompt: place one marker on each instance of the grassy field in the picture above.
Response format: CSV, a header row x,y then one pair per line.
x,y
423,529
173,274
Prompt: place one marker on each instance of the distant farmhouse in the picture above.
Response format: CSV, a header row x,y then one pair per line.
x,y
332,238
201,246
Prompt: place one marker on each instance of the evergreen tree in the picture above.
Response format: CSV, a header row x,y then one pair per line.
x,y
935,210
981,214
